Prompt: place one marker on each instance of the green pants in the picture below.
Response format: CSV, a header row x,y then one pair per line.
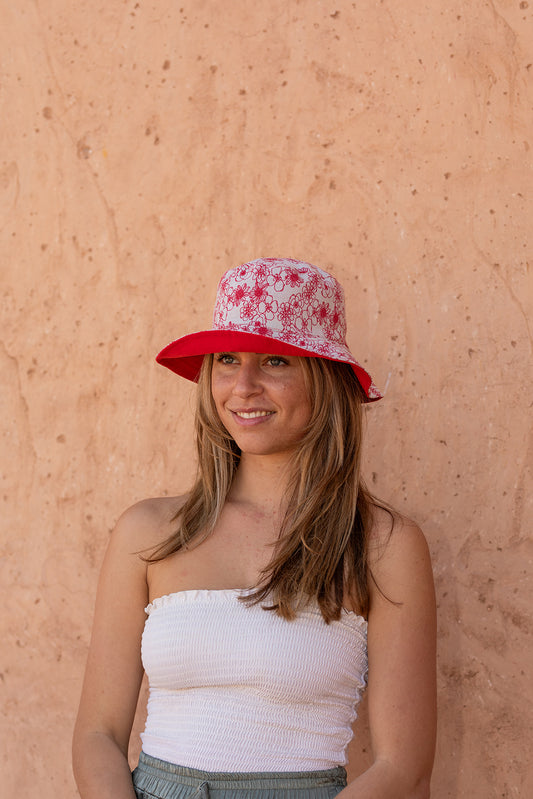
x,y
157,779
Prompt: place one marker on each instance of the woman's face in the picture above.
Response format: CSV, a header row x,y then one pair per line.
x,y
262,400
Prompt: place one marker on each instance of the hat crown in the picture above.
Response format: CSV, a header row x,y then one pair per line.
x,y
289,300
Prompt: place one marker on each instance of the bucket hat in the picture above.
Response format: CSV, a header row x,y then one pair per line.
x,y
278,306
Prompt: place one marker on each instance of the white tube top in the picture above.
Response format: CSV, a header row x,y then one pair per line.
x,y
234,687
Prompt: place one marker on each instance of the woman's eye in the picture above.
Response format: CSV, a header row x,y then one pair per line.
x,y
225,357
276,361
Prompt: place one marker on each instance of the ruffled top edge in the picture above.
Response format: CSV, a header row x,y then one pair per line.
x,y
228,595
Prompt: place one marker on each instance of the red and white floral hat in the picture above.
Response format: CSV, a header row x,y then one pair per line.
x,y
272,305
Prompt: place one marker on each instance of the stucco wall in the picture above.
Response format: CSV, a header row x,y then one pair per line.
x,y
144,148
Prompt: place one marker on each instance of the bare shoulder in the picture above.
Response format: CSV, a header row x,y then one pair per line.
x,y
391,532
146,523
398,552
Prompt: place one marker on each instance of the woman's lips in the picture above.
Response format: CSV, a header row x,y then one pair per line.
x,y
251,415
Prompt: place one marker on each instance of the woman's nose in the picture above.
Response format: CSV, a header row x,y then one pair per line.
x,y
247,380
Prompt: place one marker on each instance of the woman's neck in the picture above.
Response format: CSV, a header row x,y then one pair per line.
x,y
261,482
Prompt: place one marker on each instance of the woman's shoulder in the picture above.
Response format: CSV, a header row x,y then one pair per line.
x,y
398,554
148,522
392,535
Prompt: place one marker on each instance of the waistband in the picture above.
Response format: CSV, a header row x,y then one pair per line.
x,y
151,768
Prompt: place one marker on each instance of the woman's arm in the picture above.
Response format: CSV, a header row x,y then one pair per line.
x,y
401,669
114,669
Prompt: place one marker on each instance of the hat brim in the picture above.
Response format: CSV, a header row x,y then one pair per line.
x,y
184,356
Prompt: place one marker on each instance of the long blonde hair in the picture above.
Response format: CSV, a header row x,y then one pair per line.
x,y
322,547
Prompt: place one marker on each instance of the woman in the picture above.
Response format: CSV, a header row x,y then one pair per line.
x,y
267,593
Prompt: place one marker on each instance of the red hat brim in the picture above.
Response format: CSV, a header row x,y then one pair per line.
x,y
185,355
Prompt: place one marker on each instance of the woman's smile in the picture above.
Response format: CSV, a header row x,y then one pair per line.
x,y
252,415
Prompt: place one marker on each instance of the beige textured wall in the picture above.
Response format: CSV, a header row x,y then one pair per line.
x,y
147,146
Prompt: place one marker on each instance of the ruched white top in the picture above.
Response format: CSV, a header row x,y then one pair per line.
x,y
234,687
